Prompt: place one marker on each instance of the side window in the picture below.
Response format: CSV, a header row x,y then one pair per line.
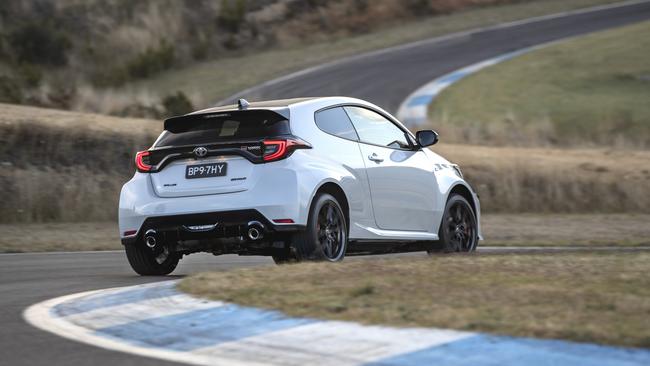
x,y
336,122
373,128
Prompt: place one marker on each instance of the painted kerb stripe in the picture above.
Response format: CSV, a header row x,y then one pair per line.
x,y
156,320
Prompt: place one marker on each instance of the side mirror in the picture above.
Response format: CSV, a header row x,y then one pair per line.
x,y
426,137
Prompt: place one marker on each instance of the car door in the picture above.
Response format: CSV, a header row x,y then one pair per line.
x,y
341,144
401,179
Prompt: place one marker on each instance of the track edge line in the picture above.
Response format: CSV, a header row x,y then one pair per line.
x,y
40,316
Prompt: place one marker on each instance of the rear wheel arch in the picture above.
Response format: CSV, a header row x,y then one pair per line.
x,y
337,192
324,238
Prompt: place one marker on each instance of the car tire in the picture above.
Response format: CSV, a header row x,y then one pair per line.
x,y
458,229
146,262
326,235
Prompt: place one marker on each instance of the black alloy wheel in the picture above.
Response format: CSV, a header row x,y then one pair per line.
x,y
458,229
331,231
324,239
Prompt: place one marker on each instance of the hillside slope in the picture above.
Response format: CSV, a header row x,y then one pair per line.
x,y
59,165
100,56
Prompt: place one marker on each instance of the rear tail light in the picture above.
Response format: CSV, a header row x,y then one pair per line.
x,y
280,149
142,161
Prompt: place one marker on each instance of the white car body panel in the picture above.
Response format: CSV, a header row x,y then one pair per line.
x,y
401,198
403,189
171,181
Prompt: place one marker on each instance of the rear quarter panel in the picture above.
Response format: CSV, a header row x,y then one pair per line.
x,y
331,159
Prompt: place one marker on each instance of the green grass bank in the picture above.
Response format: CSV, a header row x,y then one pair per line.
x,y
588,91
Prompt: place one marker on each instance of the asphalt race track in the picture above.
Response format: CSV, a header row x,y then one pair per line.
x,y
387,78
384,78
30,278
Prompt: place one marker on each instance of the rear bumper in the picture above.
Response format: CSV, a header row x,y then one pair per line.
x,y
277,197
211,226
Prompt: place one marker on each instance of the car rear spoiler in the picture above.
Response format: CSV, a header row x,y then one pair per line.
x,y
180,123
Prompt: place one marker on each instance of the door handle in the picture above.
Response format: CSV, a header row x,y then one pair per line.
x,y
375,158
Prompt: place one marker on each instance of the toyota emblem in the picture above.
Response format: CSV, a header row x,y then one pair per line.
x,y
200,152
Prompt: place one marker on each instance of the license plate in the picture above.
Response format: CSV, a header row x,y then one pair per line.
x,y
206,170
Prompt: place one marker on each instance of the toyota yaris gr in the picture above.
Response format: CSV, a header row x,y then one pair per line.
x,y
296,179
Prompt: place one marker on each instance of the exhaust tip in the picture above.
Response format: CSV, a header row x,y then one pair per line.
x,y
253,233
255,230
150,238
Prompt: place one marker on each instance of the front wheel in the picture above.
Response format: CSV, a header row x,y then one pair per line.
x,y
458,229
147,262
326,235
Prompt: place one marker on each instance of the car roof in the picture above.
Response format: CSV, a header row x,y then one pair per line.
x,y
283,106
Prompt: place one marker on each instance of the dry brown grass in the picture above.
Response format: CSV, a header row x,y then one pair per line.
x,y
59,237
346,18
16,115
65,166
555,180
565,229
602,298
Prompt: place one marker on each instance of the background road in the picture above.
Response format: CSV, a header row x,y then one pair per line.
x,y
387,78
384,78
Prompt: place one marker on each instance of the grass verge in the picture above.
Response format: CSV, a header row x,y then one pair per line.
x,y
211,81
498,229
59,237
592,90
565,230
590,297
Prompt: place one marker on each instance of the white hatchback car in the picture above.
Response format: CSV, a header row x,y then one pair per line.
x,y
296,179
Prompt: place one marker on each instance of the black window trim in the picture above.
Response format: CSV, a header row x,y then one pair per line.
x,y
331,134
390,119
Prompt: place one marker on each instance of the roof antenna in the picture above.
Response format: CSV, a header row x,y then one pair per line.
x,y
242,104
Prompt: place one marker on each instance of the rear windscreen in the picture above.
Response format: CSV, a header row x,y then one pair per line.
x,y
210,128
